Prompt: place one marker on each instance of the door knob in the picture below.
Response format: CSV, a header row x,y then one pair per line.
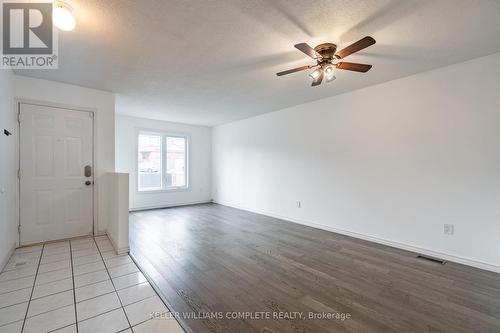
x,y
88,182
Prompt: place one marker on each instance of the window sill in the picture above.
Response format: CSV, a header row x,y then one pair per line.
x,y
165,190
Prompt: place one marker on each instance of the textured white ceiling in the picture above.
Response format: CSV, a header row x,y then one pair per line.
x,y
214,61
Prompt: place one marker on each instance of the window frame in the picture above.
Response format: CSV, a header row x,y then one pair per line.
x,y
164,135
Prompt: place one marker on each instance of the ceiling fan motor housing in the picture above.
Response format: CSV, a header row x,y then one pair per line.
x,y
326,50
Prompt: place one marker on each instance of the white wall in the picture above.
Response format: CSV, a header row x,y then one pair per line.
x,y
199,162
74,96
390,163
8,167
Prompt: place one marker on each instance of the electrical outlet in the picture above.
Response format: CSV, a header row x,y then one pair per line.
x,y
299,204
448,229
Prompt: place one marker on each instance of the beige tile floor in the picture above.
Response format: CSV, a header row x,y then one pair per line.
x,y
81,286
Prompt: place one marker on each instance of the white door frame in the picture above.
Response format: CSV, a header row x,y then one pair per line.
x,y
18,102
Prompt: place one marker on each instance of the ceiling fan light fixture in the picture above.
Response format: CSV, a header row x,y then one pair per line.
x,y
328,60
329,73
316,74
330,78
62,17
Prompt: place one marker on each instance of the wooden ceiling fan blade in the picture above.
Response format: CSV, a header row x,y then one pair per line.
x,y
318,81
355,47
351,66
298,69
304,47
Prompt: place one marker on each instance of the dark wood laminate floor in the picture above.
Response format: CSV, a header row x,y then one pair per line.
x,y
210,258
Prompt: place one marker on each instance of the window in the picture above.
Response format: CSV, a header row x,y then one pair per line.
x,y
162,162
176,161
150,168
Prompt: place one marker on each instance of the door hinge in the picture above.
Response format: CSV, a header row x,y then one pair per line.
x,y
91,114
19,229
19,117
18,173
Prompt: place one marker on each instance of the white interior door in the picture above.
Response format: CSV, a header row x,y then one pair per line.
x,y
55,193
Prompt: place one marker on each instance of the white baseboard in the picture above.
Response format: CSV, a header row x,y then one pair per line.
x,y
134,209
5,260
411,248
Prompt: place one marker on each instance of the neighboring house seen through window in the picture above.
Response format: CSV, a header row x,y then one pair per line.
x,y
162,162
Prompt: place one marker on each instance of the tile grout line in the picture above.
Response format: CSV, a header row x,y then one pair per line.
x,y
12,291
58,280
74,288
120,276
89,284
52,294
54,309
121,265
32,290
93,262
114,291
105,312
55,251
114,277
11,269
119,299
100,281
55,270
91,271
8,306
24,252
93,297
60,328
141,322
17,278
10,323
52,262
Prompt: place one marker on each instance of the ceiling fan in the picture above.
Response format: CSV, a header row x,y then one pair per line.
x,y
328,60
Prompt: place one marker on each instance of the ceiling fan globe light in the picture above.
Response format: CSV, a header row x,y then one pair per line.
x,y
316,74
329,73
330,78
